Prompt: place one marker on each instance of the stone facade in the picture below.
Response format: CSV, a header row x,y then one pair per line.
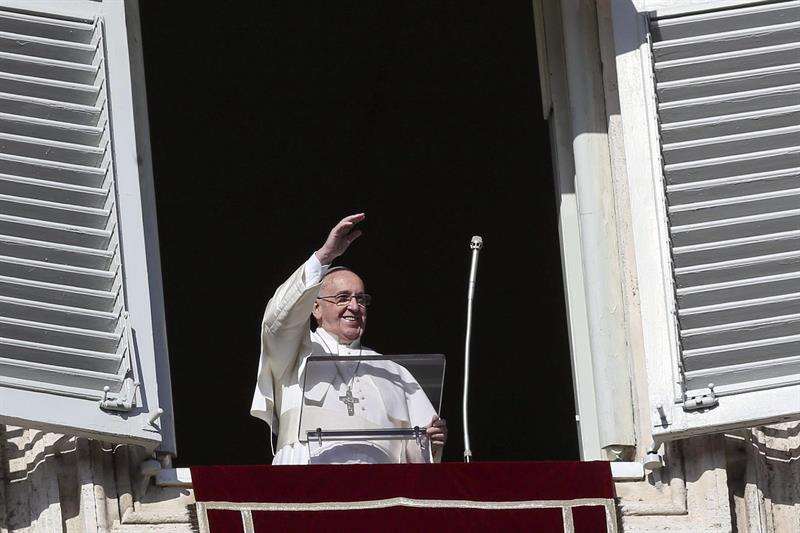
x,y
748,482
743,481
51,483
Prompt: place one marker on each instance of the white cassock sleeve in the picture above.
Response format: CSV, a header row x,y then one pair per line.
x,y
284,335
313,270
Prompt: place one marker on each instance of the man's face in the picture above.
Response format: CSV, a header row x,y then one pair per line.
x,y
345,322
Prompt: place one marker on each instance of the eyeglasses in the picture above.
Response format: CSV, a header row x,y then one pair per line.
x,y
344,298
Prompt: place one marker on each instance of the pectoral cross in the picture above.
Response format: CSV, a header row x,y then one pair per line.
x,y
349,400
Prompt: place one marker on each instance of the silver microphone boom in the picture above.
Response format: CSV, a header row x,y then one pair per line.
x,y
475,245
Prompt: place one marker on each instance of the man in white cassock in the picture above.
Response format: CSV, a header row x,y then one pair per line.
x,y
350,394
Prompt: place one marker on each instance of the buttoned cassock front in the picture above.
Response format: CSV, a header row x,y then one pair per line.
x,y
286,344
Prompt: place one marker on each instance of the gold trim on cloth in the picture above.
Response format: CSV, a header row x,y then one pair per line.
x,y
247,522
566,505
402,501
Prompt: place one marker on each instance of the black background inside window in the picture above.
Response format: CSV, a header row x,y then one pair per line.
x,y
270,121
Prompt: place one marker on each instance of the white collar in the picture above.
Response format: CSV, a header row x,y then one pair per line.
x,y
331,340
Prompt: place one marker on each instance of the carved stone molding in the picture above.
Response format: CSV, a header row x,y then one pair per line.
x,y
53,483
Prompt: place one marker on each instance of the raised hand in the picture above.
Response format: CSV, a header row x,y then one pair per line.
x,y
340,238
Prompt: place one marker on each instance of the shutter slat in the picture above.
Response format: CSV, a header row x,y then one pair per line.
x,y
64,30
58,294
760,245
45,377
669,93
729,145
47,211
732,165
681,193
61,315
738,290
49,388
725,20
53,171
726,245
53,191
739,332
49,89
88,341
41,232
739,123
718,43
742,353
49,69
60,111
723,63
739,310
724,104
59,355
47,48
66,132
758,375
784,257
737,207
59,274
55,252
19,206
736,228
49,150
738,269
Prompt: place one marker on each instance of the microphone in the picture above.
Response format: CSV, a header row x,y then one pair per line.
x,y
475,244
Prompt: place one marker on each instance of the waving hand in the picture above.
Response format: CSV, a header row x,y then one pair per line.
x,y
339,239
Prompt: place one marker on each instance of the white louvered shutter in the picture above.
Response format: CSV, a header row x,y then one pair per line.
x,y
728,98
70,357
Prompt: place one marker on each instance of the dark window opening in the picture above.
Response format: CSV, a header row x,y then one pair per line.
x,y
270,122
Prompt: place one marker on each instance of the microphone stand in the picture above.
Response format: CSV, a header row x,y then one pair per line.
x,y
475,245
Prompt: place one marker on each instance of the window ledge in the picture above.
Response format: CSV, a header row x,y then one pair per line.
x,y
627,471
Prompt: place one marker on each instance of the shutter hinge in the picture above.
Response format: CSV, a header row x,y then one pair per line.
x,y
702,399
125,399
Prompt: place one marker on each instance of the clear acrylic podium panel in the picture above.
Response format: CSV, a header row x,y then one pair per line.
x,y
367,409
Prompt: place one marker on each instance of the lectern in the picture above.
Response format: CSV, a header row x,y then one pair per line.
x,y
365,409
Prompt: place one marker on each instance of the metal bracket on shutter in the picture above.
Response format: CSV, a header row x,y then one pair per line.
x,y
125,399
702,399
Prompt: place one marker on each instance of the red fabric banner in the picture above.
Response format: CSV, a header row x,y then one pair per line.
x,y
513,496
